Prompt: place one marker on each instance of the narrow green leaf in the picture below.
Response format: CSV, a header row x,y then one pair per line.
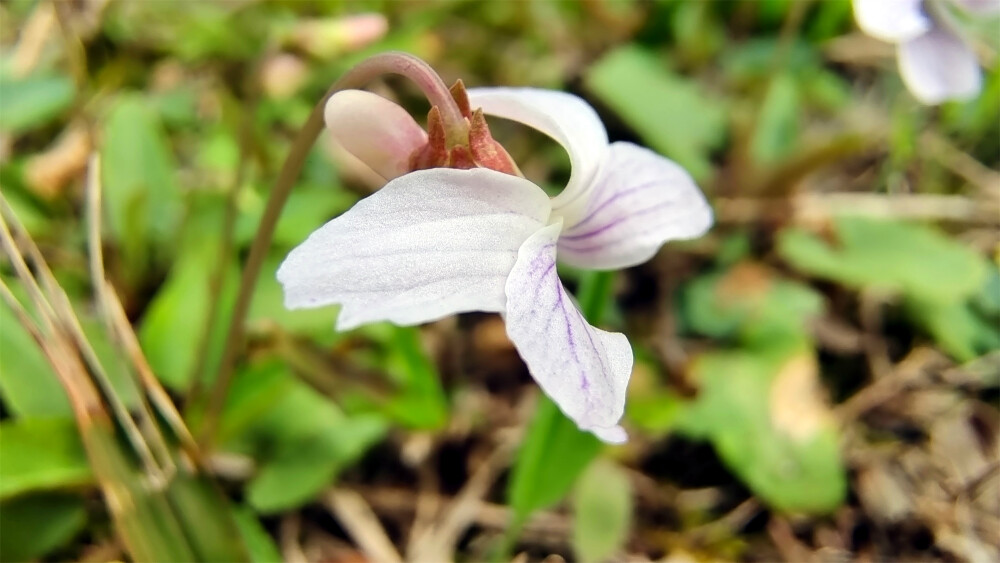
x,y
33,526
41,454
670,113
33,101
602,512
173,328
207,519
422,403
551,458
27,383
259,543
912,259
777,128
141,194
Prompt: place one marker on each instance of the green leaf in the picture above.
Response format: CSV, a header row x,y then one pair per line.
x,y
670,113
173,328
763,412
602,512
553,455
27,382
915,260
142,199
750,301
777,129
422,403
305,465
256,538
967,329
956,328
301,440
41,454
34,526
33,101
206,517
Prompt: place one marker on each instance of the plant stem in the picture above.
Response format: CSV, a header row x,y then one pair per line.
x,y
387,63
594,294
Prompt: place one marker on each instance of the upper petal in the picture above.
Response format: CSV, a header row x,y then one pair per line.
x,y
891,20
564,117
380,133
583,369
639,200
428,244
939,66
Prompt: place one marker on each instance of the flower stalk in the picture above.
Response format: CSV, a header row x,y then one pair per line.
x,y
456,130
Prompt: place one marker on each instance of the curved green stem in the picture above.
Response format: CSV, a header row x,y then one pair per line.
x,y
386,63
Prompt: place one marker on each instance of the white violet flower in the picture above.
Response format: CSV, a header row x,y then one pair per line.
x,y
443,240
937,64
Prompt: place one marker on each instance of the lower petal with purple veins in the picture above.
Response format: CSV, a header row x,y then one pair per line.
x,y
583,369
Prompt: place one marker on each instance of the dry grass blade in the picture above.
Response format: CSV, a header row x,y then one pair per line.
x,y
118,326
354,513
161,513
54,301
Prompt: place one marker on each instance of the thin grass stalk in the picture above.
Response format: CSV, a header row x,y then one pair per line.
x,y
219,275
113,314
65,316
96,261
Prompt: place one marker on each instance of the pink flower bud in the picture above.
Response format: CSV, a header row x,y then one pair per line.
x,y
380,133
326,38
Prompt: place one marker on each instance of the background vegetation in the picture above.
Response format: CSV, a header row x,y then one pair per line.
x,y
816,378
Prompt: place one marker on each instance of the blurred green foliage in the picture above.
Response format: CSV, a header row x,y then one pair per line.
x,y
177,96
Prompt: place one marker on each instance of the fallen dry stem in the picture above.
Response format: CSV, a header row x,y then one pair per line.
x,y
362,524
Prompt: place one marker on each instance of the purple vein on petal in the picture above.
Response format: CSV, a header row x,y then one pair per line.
x,y
618,195
614,223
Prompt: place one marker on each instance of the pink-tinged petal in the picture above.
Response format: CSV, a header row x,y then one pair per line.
x,y
891,20
939,66
429,244
566,118
984,7
583,369
380,133
638,201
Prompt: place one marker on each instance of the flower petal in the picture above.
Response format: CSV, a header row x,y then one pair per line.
x,y
638,201
564,117
892,20
939,66
583,369
428,244
380,133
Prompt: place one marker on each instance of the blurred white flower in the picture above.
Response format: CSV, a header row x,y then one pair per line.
x,y
936,62
441,241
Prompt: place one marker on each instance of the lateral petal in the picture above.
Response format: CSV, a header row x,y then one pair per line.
x,y
638,201
585,370
380,133
892,20
939,66
566,118
429,244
